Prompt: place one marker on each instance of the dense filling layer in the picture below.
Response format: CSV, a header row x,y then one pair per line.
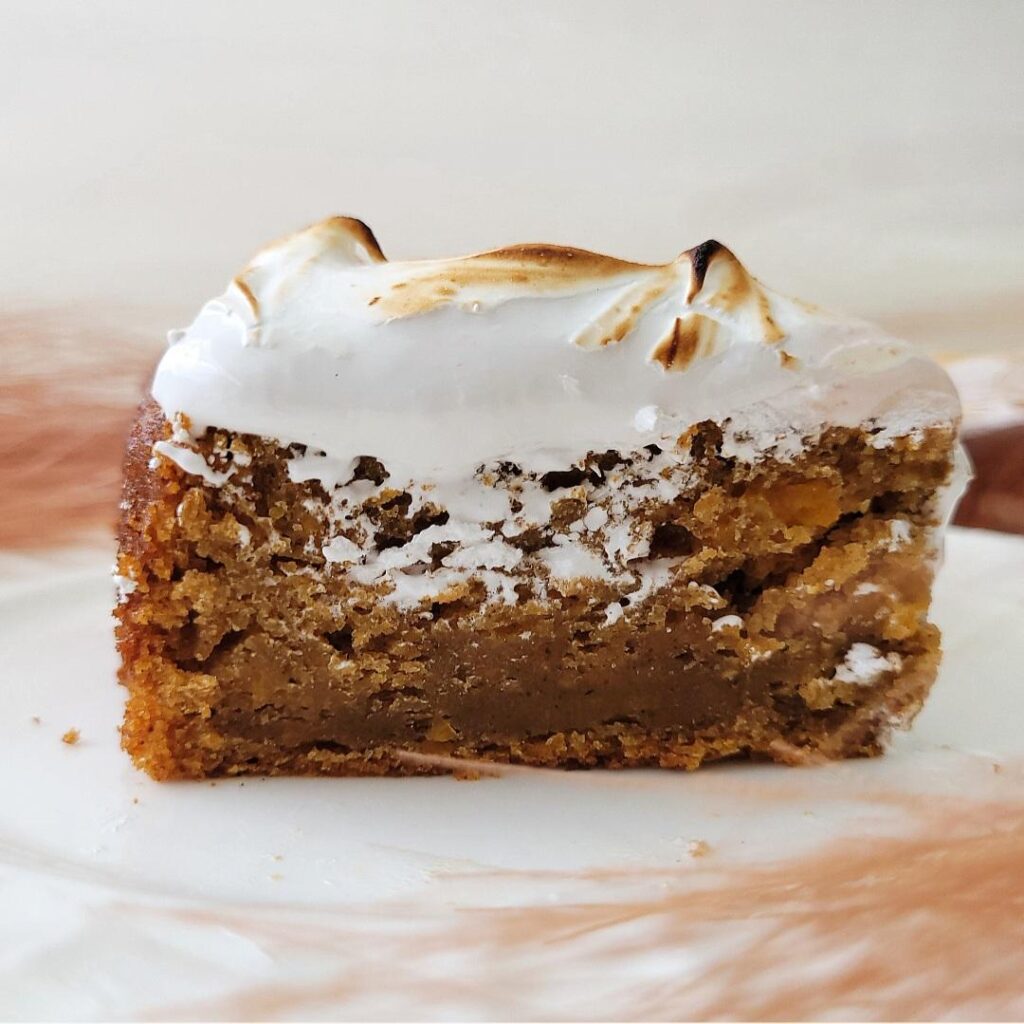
x,y
640,607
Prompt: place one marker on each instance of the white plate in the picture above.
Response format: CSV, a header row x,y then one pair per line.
x,y
319,898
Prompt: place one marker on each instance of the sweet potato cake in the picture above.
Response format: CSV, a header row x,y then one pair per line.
x,y
536,505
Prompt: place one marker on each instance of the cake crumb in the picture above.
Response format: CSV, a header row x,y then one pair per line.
x,y
71,737
36,720
698,848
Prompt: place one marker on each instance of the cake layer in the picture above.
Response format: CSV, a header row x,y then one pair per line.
x,y
656,613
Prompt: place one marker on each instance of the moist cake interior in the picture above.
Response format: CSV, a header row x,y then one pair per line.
x,y
776,608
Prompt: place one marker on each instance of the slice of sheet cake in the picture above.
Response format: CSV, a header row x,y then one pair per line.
x,y
535,505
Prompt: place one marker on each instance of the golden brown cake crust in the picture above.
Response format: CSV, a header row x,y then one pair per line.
x,y
244,651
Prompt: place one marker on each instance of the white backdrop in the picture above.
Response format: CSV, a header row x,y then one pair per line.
x,y
868,156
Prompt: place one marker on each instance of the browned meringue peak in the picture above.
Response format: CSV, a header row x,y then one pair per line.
x,y
342,240
709,276
691,337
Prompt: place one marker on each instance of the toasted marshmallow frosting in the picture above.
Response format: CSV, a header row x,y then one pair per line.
x,y
534,354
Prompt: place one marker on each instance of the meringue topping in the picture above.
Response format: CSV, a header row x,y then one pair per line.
x,y
536,354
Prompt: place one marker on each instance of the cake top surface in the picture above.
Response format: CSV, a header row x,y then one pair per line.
x,y
533,353
338,261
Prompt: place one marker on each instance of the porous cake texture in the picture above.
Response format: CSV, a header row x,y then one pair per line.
x,y
536,506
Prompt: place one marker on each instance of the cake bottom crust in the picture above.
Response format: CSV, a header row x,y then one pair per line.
x,y
757,734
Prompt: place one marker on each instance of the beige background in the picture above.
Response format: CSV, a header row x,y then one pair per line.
x,y
869,156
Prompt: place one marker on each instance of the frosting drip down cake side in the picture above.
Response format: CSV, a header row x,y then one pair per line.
x,y
535,505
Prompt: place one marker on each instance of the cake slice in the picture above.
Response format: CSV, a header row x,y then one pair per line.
x,y
535,505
